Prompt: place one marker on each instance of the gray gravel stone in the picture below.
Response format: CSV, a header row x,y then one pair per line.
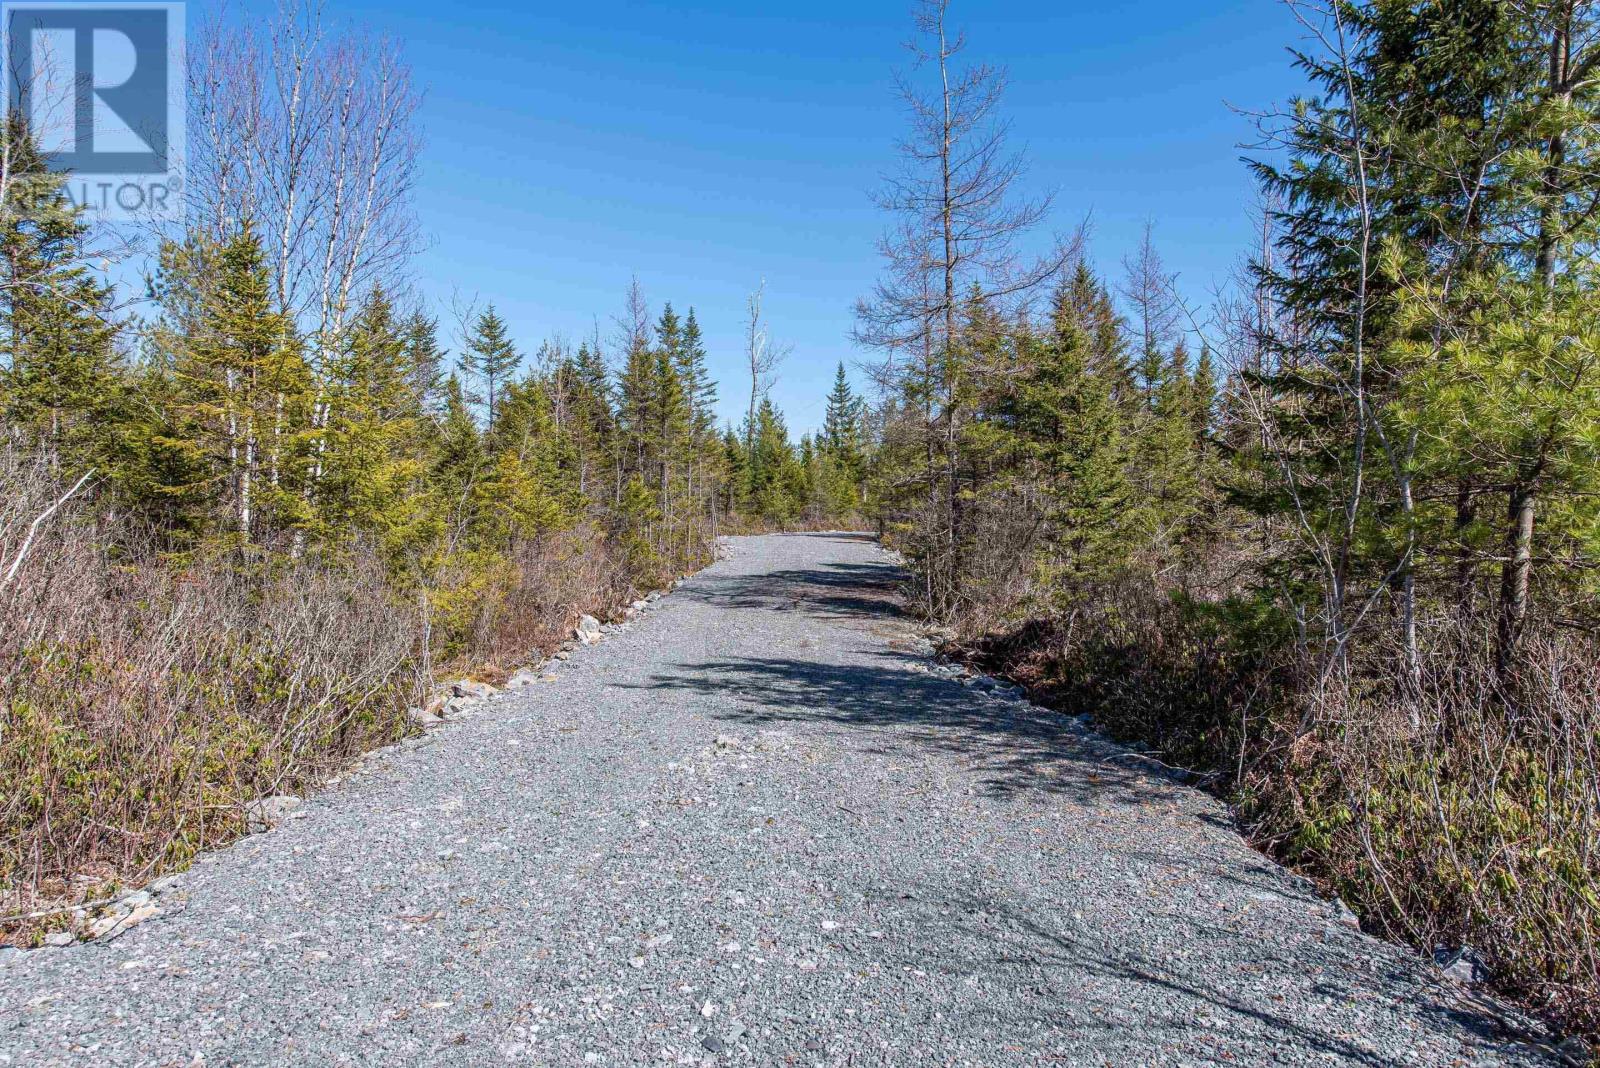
x,y
569,876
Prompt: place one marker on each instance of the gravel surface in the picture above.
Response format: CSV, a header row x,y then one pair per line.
x,y
756,826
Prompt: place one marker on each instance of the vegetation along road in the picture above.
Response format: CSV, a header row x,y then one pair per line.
x,y
759,825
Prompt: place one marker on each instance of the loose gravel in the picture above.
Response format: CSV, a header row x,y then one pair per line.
x,y
755,826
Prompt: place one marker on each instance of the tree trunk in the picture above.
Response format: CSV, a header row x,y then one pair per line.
x,y
1514,578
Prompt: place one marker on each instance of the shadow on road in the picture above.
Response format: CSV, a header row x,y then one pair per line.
x,y
1016,749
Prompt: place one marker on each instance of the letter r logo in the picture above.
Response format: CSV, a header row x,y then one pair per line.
x,y
93,83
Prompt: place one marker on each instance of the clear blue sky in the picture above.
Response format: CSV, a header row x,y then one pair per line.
x,y
703,147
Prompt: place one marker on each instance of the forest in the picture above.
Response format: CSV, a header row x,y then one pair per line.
x,y
1328,545
251,516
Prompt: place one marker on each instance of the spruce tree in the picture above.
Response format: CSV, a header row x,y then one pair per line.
x,y
490,358
62,379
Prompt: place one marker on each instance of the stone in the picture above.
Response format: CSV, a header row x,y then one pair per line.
x,y
522,678
713,1043
114,924
267,812
1576,1052
166,884
1342,913
59,939
458,706
1460,964
421,717
653,596
9,955
588,630
468,688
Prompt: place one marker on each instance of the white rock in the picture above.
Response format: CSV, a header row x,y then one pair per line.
x,y
113,926
269,811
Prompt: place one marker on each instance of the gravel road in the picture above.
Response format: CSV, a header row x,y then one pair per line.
x,y
754,827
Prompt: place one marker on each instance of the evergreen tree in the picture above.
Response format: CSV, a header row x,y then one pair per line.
x,y
62,379
490,358
244,387
1071,430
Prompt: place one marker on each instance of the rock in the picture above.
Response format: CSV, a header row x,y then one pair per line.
x,y
114,924
637,606
9,955
267,812
735,1030
1342,913
421,717
713,1043
458,706
135,899
1576,1052
1461,964
653,596
563,655
166,884
588,630
522,678
467,688
59,939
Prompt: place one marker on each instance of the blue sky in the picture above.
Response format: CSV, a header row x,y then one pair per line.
x,y
705,147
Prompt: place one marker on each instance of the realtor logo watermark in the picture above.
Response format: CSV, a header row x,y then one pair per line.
x,y
100,86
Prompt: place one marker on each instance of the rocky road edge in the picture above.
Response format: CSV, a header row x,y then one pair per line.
x,y
106,919
1457,965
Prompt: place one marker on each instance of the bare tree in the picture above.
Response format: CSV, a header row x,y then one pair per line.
x,y
762,356
310,135
1151,291
958,225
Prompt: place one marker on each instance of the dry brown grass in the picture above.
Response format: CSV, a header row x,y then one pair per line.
x,y
1466,813
144,702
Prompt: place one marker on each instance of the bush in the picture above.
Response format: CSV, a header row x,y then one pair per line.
x,y
1467,813
144,700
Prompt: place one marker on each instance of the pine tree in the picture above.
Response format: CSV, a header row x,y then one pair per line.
x,y
425,357
374,468
244,386
1071,430
490,358
62,379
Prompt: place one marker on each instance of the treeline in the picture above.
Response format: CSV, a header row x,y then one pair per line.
x,y
1333,542
252,514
